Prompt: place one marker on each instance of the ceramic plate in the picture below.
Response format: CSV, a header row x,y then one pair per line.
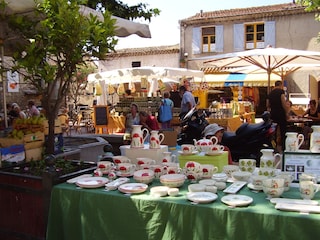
x,y
120,174
75,179
214,153
236,200
253,187
182,153
201,197
92,182
294,201
133,188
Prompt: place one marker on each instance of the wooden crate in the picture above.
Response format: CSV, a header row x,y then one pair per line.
x,y
34,154
33,140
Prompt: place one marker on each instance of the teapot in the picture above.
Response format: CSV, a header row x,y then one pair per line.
x,y
138,136
204,144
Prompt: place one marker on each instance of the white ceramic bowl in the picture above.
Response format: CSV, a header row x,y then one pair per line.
x,y
143,176
273,192
241,176
220,177
173,180
273,182
196,187
229,169
173,192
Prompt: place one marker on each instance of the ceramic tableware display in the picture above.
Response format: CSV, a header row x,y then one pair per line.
x,y
168,157
144,176
173,180
293,141
241,176
156,139
315,139
144,160
126,169
268,172
247,165
229,169
158,170
202,145
308,177
138,136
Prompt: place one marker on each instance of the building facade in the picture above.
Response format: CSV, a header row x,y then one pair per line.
x,y
226,31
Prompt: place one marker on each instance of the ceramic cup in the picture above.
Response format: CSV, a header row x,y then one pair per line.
x,y
208,170
188,148
120,159
105,166
215,148
269,172
144,160
194,176
159,170
173,170
308,177
308,189
288,178
125,168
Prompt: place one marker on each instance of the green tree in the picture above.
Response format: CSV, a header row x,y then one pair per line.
x,y
62,40
310,6
120,9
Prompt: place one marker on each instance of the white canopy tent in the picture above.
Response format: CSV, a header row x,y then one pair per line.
x,y
133,75
123,28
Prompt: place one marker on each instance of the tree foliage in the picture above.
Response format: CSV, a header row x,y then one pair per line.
x,y
62,40
120,9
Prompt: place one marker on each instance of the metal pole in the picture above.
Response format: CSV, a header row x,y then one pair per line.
x,y
2,79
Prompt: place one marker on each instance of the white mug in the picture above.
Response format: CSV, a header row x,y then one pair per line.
x,y
308,189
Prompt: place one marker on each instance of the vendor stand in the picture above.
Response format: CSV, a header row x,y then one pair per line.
x,y
77,213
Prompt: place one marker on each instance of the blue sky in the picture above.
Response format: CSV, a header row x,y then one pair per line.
x,y
165,28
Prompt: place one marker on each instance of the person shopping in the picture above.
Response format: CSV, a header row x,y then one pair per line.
x,y
217,131
165,113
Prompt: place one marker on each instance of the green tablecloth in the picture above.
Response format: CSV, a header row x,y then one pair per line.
x,y
89,214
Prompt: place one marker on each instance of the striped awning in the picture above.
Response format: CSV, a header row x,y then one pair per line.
x,y
240,79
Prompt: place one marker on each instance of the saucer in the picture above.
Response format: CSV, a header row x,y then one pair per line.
x,y
201,197
214,153
120,174
133,188
183,153
253,187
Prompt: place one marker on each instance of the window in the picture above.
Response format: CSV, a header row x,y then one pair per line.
x,y
208,39
136,64
254,35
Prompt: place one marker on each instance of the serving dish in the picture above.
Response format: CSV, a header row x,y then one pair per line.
x,y
92,182
201,197
237,200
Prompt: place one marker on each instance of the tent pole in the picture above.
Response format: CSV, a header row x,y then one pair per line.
x,y
3,85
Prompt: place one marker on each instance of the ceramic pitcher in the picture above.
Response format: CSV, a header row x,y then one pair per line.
x,y
156,139
315,139
138,136
293,141
168,158
267,160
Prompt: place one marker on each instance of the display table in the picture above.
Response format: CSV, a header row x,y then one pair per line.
x,y
230,124
89,214
217,160
134,153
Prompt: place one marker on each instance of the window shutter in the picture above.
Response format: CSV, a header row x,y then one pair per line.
x,y
238,37
270,34
219,38
196,40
